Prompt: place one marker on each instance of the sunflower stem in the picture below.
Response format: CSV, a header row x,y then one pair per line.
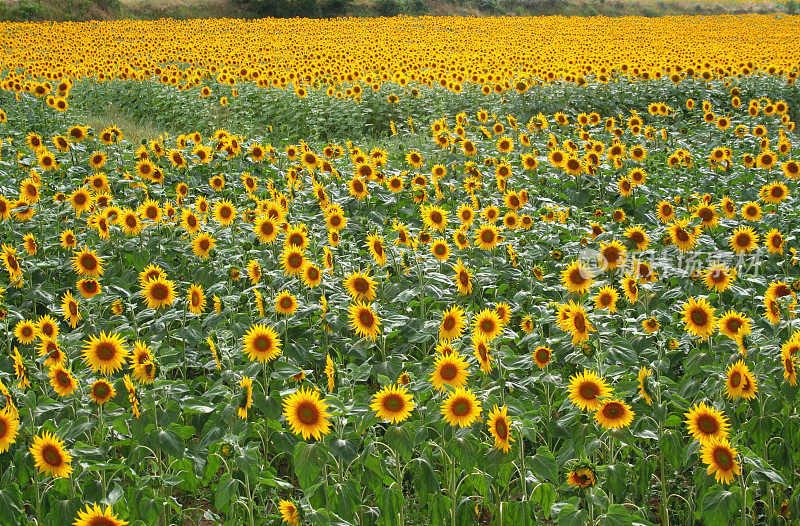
x,y
744,497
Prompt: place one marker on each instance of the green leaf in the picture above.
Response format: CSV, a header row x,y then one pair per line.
x,y
616,515
225,492
544,494
720,505
390,502
571,516
544,465
308,462
397,438
169,442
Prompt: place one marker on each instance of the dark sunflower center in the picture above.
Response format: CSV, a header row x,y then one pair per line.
x,y
487,236
286,302
723,458
101,391
262,343
576,277
707,424
463,277
448,372
106,351
307,413
63,379
88,262
736,379
613,410
501,428
159,291
580,323
681,235
366,318
448,323
461,407
361,285
52,456
542,356
588,391
393,403
699,317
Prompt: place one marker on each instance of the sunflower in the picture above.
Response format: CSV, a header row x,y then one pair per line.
x,y
500,428
718,277
311,275
25,331
50,456
102,391
261,343
644,384
606,298
203,244
487,325
461,408
87,264
9,427
130,222
789,369
62,381
449,369
330,372
577,277
265,229
720,457
463,278
705,423
638,236
452,325
306,413
70,308
296,237
289,512
358,187
743,240
699,318
774,241
650,325
542,356
285,303
360,286
487,237
52,351
375,246
364,321
158,293
734,325
586,389
196,299
96,516
440,249
735,380
751,211
614,414
482,355
105,353
578,324
292,261
581,478
392,403
435,218
665,212
682,235
245,397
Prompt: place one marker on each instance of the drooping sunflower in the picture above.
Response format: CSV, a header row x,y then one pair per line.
x,y
449,369
705,423
743,240
360,286
87,263
577,278
53,353
330,373
699,318
9,427
245,397
105,353
461,408
581,478
720,457
158,293
261,343
196,299
500,428
50,456
578,324
102,391
62,381
393,403
290,514
305,411
542,356
614,414
363,320
463,278
453,324
96,516
586,389
376,249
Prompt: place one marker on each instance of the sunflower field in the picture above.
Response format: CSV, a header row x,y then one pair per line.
x,y
401,271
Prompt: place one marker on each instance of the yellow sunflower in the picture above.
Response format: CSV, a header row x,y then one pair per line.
x,y
705,423
463,278
285,303
577,277
487,237
500,428
614,414
306,413
586,389
487,325
720,457
360,286
203,244
102,391
50,456
606,298
158,293
105,353
196,299
542,356
96,516
393,403
581,478
9,427
364,321
461,408
699,318
62,381
87,263
261,343
743,240
449,369
245,397
452,325
290,514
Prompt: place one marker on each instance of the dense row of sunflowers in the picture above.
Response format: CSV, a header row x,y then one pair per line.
x,y
567,317
346,57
